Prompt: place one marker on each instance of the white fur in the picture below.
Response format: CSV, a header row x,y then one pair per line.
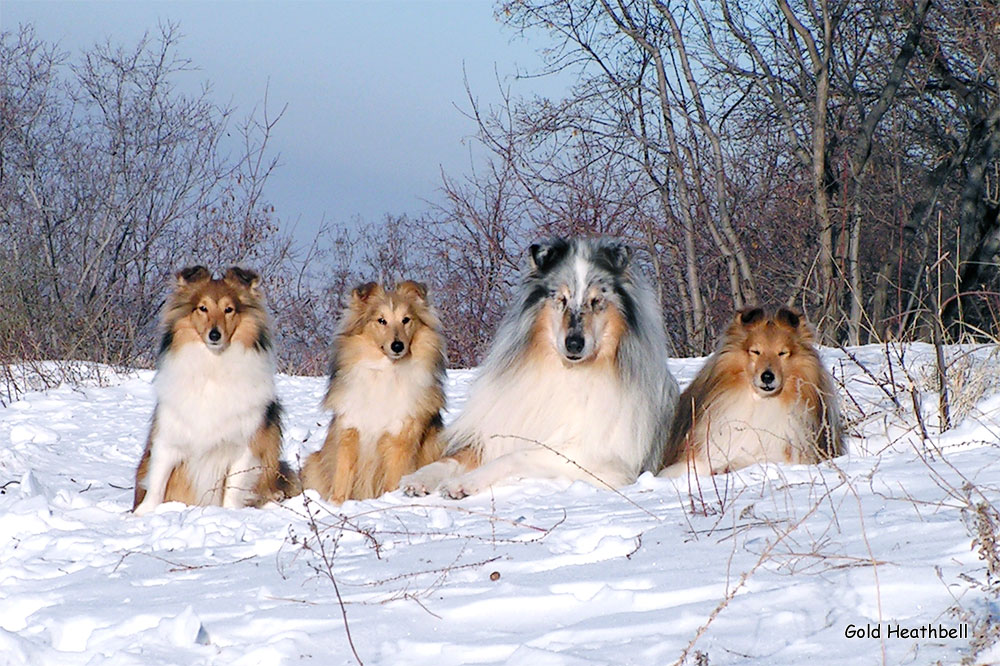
x,y
208,407
743,428
581,267
429,477
532,414
377,397
547,420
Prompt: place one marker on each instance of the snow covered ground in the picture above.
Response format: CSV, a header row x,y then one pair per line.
x,y
770,565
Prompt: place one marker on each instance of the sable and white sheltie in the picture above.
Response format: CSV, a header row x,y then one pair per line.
x,y
576,384
216,432
386,392
763,396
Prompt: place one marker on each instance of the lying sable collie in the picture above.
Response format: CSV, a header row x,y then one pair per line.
x,y
576,384
216,432
764,395
386,392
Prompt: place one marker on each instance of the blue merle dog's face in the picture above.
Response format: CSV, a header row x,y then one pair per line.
x,y
582,315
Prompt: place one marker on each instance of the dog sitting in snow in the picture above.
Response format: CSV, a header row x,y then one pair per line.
x,y
216,432
386,393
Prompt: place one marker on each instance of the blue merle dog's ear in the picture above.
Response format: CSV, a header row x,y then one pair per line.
x,y
614,256
191,274
546,255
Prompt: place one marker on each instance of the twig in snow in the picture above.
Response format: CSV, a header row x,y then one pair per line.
x,y
328,571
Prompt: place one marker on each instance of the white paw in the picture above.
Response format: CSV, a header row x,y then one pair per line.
x,y
144,508
461,486
426,479
414,485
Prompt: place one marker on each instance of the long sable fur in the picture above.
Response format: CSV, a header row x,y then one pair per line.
x,y
348,466
278,480
807,385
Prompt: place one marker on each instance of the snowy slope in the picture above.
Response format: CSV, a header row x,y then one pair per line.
x,y
770,565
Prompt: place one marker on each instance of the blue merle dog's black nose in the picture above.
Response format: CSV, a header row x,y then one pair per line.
x,y
214,335
397,347
574,344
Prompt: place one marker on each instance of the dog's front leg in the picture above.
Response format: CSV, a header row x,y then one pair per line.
x,y
430,477
397,455
162,460
348,449
241,478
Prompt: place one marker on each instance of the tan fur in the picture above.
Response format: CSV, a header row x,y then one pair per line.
x,y
465,460
386,403
233,307
279,481
726,420
178,487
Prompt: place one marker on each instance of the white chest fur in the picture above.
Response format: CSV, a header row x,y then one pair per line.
x,y
205,399
584,413
378,396
743,429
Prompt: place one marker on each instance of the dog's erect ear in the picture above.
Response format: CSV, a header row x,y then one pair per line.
x,y
789,316
615,256
412,289
546,255
191,274
243,278
748,316
365,291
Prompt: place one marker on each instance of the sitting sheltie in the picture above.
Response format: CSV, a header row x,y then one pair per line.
x,y
576,384
216,432
763,396
386,392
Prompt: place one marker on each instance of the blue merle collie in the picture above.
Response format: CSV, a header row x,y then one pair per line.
x,y
216,432
576,384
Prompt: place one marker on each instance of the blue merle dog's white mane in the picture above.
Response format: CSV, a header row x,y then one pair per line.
x,y
568,269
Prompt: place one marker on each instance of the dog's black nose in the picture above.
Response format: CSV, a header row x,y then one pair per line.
x,y
214,335
574,344
397,347
767,376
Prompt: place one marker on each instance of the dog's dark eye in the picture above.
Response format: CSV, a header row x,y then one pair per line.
x,y
229,309
755,352
406,320
596,302
203,308
381,321
784,353
562,300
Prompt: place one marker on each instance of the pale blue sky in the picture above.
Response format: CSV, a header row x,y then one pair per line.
x,y
371,87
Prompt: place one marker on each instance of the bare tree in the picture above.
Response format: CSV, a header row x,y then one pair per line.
x,y
110,177
810,139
